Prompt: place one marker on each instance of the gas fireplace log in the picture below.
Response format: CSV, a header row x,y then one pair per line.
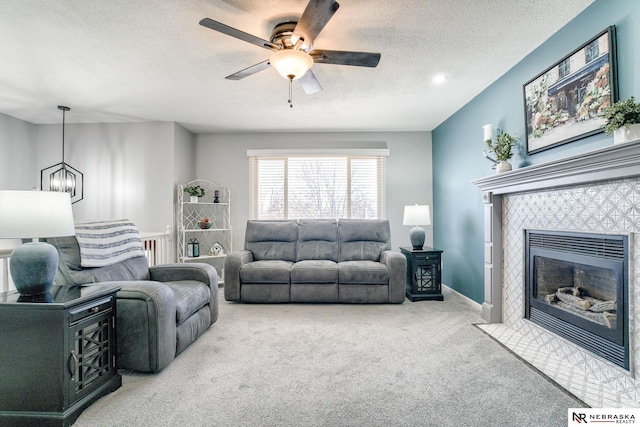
x,y
606,319
610,319
576,291
601,306
550,298
575,301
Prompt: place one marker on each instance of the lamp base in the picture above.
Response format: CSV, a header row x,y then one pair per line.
x,y
417,236
33,267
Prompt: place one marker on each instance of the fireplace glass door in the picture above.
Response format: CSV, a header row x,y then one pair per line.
x,y
576,287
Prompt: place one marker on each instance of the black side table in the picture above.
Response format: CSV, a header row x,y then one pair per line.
x,y
58,353
424,273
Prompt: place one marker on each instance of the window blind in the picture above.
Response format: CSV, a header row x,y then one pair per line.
x,y
318,186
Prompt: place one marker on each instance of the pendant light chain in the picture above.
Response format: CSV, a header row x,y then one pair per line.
x,y
291,76
64,111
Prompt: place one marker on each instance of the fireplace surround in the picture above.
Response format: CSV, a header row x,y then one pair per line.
x,y
598,193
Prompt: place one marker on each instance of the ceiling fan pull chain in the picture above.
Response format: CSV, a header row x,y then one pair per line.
x,y
290,91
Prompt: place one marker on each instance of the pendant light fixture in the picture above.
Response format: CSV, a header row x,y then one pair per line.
x,y
63,177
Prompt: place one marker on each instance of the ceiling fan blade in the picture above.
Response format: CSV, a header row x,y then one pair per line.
x,y
339,57
233,32
249,71
310,83
313,19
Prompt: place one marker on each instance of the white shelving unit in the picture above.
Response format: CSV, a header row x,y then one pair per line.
x,y
188,217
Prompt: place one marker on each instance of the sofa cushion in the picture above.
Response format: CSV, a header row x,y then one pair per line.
x,y
317,239
363,239
315,292
266,272
190,295
272,240
363,272
314,271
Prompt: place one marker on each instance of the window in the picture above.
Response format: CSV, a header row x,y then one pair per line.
x,y
564,68
318,186
591,51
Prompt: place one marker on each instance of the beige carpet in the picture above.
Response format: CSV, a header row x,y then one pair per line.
x,y
414,364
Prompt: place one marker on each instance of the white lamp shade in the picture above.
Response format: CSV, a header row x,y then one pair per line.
x,y
289,62
416,215
33,214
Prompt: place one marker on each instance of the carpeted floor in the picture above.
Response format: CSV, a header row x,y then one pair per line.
x,y
414,364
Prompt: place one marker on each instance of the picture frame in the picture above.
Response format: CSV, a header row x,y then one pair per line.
x,y
563,103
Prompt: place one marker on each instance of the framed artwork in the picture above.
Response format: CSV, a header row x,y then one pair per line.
x,y
564,103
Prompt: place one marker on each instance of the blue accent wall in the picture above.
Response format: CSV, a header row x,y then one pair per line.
x,y
457,142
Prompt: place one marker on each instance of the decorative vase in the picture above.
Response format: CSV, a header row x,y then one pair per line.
x,y
503,166
623,135
193,199
33,267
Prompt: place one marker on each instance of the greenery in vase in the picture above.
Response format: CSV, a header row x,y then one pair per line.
x,y
195,191
503,146
621,113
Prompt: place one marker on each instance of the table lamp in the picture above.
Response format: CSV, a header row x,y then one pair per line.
x,y
417,215
34,214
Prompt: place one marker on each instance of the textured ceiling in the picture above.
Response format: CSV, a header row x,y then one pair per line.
x,y
149,60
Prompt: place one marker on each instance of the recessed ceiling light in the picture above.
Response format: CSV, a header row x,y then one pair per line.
x,y
438,79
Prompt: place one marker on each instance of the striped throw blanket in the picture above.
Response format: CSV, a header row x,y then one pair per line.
x,y
105,243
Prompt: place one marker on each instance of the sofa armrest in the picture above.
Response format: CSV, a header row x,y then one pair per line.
x,y
232,265
185,271
146,325
201,272
396,262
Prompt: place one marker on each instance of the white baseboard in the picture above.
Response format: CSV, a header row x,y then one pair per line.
x,y
472,303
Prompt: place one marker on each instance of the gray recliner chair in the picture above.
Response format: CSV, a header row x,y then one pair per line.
x,y
161,310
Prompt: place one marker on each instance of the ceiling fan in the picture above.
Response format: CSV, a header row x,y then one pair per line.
x,y
292,45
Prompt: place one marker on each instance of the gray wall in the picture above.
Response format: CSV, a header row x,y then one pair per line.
x,y
127,167
130,169
17,161
184,157
458,145
222,158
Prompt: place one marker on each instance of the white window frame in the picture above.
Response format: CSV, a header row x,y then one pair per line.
x,y
350,154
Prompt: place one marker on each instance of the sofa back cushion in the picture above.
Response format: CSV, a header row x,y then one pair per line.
x,y
363,239
71,272
317,240
271,240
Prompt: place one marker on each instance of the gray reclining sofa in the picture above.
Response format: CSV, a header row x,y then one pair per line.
x,y
320,261
160,310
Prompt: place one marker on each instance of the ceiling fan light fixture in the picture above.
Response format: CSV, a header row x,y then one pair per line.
x,y
289,62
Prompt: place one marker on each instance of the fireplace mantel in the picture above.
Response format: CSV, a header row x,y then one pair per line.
x,y
614,162
605,164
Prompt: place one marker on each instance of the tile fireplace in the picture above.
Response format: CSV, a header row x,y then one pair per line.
x,y
594,195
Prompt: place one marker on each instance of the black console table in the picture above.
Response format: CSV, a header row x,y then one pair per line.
x,y
424,274
58,353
